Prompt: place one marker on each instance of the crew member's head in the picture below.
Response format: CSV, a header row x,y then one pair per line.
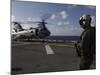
x,y
85,21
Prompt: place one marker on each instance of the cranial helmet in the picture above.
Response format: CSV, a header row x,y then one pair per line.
x,y
85,21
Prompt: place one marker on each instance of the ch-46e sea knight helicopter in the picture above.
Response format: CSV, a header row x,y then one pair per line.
x,y
39,32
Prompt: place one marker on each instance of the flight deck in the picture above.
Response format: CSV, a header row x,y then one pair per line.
x,y
37,57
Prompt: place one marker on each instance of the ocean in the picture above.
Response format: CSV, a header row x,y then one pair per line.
x,y
63,38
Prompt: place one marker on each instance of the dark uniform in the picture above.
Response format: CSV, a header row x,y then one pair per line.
x,y
87,46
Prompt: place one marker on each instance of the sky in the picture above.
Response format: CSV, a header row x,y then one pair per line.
x,y
62,19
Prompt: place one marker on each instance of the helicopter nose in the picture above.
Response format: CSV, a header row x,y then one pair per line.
x,y
31,31
44,33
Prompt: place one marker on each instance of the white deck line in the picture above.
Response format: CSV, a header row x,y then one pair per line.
x,y
49,49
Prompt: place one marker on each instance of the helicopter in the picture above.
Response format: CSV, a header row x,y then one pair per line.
x,y
39,32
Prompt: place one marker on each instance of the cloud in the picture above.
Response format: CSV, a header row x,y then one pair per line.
x,y
60,15
65,30
33,19
13,18
59,23
29,19
53,16
66,23
63,14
